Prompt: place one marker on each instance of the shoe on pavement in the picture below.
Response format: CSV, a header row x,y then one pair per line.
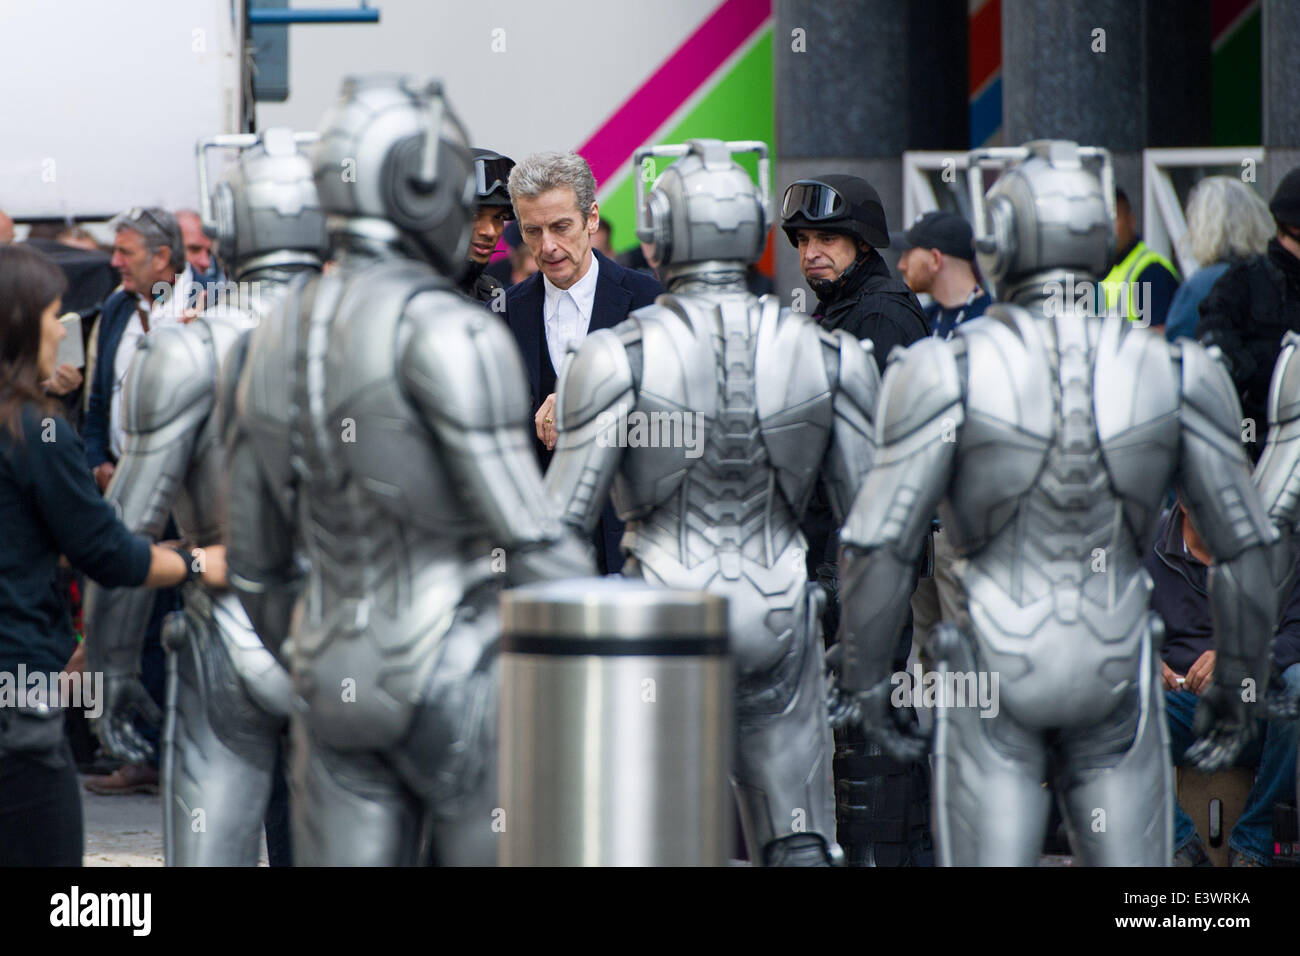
x,y
1193,854
128,778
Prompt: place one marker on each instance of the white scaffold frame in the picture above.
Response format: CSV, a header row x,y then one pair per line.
x,y
1163,221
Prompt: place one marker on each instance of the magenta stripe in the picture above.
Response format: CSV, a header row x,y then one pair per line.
x,y
672,84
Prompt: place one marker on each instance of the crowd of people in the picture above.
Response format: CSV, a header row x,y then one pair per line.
x,y
555,286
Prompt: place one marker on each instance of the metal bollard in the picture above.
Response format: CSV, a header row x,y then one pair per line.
x,y
616,726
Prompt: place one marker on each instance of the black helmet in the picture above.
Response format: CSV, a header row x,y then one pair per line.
x,y
1285,205
491,173
836,203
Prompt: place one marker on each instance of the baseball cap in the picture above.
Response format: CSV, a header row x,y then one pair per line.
x,y
946,231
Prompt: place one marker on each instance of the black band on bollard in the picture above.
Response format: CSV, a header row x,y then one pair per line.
x,y
689,645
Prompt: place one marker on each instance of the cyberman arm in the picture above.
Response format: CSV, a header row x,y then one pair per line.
x,y
1277,476
853,434
260,557
169,395
595,387
1215,485
920,413
461,368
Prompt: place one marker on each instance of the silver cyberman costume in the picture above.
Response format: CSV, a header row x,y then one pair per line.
x,y
1046,436
227,696
379,434
1277,476
765,404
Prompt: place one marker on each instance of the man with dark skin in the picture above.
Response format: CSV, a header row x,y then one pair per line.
x,y
1141,283
492,212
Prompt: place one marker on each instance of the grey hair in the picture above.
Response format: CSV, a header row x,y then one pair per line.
x,y
542,172
159,230
1226,219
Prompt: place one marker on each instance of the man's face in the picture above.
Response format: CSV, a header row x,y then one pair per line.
x,y
139,268
919,267
558,234
489,223
824,255
1289,238
198,247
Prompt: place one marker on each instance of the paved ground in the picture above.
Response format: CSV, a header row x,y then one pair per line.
x,y
125,830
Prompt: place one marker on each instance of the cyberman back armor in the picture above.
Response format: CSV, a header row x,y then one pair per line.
x,y
1046,437
764,405
227,697
383,490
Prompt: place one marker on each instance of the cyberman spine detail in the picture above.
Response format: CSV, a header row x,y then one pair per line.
x,y
1046,439
775,404
379,440
227,699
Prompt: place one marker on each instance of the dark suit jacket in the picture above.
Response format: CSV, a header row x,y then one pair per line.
x,y
118,309
618,292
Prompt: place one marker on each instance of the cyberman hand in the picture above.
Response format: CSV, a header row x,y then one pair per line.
x,y
1223,726
888,726
842,706
124,697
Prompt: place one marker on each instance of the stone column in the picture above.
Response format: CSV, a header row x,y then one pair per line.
x,y
857,83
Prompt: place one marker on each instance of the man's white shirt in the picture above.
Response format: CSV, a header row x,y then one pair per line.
x,y
566,313
161,312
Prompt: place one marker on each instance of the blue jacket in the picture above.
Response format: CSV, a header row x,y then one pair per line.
x,y
618,292
117,312
1181,598
1184,311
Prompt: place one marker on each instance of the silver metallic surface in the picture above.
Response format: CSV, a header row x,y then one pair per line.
x,y
620,756
704,217
264,211
1046,439
383,491
227,697
764,404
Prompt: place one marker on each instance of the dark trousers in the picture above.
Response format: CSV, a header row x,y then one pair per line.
x,y
279,849
40,811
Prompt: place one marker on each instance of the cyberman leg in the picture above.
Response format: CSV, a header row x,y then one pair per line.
x,y
219,745
349,809
782,773
990,806
1117,780
450,755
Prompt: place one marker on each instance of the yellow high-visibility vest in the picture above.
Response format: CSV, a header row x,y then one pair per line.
x,y
1126,272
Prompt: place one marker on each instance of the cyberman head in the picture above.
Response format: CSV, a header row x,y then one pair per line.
x,y
264,212
1047,215
706,218
393,155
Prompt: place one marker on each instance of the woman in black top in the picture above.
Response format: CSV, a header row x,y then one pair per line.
x,y
49,506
